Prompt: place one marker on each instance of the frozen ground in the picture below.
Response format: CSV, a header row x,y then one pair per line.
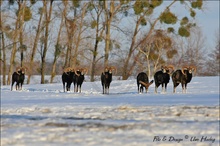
x,y
45,115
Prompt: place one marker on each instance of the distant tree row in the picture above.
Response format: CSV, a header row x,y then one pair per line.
x,y
47,36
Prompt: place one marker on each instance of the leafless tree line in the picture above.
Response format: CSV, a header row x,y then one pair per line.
x,y
48,36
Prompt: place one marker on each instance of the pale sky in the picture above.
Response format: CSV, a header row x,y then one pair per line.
x,y
208,20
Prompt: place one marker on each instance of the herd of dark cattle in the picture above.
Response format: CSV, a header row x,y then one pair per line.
x,y
162,77
76,76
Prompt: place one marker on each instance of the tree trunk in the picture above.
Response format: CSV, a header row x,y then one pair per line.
x,y
53,73
14,47
147,53
4,63
78,40
34,48
126,72
148,61
67,63
12,61
107,43
95,50
56,54
43,59
108,19
70,28
21,24
94,60
3,59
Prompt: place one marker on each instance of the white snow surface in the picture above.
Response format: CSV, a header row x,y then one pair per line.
x,y
44,115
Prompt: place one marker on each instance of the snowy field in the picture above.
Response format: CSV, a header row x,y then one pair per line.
x,y
43,115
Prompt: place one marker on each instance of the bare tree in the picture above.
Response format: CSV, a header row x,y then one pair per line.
x,y
155,50
57,51
36,40
212,65
111,9
80,30
46,35
143,10
141,13
99,29
2,49
15,32
104,22
70,25
192,50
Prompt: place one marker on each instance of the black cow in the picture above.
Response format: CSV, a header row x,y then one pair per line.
x,y
163,77
142,79
183,76
78,78
106,78
18,77
67,78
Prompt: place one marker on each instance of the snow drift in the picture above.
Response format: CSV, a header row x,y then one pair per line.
x,y
45,115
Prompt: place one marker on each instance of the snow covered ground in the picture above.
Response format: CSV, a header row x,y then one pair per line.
x,y
45,115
